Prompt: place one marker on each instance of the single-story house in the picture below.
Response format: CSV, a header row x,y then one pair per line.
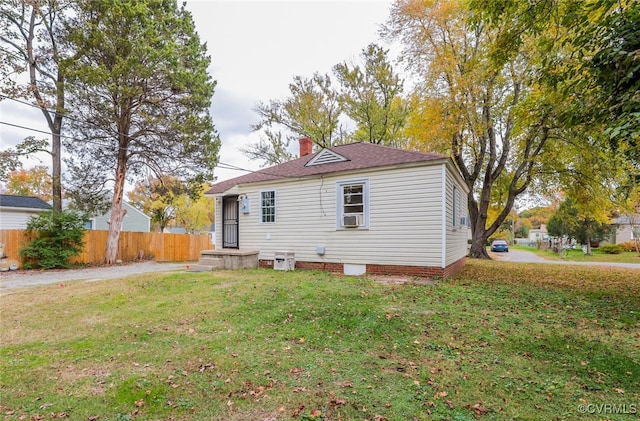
x,y
625,228
134,220
538,234
356,208
15,211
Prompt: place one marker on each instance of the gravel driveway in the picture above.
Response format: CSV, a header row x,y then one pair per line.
x,y
26,278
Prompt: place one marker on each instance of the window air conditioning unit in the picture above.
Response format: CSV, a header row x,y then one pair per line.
x,y
352,221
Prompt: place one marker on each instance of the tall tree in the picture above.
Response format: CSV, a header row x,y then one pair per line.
x,y
158,197
141,88
30,31
372,97
195,214
312,110
580,219
496,119
603,75
369,94
33,182
596,72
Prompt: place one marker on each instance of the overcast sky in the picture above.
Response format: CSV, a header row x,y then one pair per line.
x,y
256,49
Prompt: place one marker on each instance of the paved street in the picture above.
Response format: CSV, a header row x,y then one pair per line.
x,y
523,256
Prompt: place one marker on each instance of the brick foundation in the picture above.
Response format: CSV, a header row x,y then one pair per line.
x,y
395,270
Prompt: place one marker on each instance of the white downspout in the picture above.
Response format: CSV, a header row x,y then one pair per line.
x,y
444,217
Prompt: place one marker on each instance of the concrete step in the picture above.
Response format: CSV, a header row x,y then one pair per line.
x,y
202,268
216,262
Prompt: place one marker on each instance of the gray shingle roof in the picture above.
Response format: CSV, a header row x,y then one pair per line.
x,y
27,202
358,156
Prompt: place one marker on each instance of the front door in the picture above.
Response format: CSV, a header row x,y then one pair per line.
x,y
230,213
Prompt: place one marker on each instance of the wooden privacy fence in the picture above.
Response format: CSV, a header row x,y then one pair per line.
x,y
132,245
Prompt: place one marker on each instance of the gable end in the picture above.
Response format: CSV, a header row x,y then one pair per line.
x,y
326,156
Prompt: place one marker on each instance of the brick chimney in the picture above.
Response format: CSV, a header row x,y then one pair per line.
x,y
306,146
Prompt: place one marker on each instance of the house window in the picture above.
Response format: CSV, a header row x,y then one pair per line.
x,y
353,204
268,206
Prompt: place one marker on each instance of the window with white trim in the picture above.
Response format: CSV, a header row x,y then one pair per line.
x,y
353,204
268,206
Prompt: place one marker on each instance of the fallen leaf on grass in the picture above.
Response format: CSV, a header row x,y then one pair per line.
x,y
315,413
203,367
297,411
618,390
440,395
335,402
477,409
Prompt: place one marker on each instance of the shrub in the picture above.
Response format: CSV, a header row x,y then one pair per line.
x,y
52,239
611,249
628,246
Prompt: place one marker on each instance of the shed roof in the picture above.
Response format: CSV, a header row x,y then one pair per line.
x,y
26,202
357,156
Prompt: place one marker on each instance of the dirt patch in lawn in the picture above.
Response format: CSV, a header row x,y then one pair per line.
x,y
401,280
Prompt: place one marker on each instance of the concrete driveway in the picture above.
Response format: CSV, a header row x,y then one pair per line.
x,y
25,278
522,256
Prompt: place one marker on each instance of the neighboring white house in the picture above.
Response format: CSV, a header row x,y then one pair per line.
x,y
538,234
356,208
15,211
624,227
134,220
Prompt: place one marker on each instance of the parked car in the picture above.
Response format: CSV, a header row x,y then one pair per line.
x,y
499,245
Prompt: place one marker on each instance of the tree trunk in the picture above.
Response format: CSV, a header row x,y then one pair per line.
x,y
53,121
117,215
56,172
589,247
478,245
479,235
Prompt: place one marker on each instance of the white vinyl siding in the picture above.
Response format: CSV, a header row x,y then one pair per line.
x,y
17,219
403,227
268,206
456,237
133,221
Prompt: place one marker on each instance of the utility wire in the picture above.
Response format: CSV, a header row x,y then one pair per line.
x,y
66,115
220,164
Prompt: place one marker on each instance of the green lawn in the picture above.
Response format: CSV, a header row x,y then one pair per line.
x,y
499,341
577,255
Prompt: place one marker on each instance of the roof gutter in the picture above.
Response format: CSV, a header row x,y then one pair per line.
x,y
13,208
